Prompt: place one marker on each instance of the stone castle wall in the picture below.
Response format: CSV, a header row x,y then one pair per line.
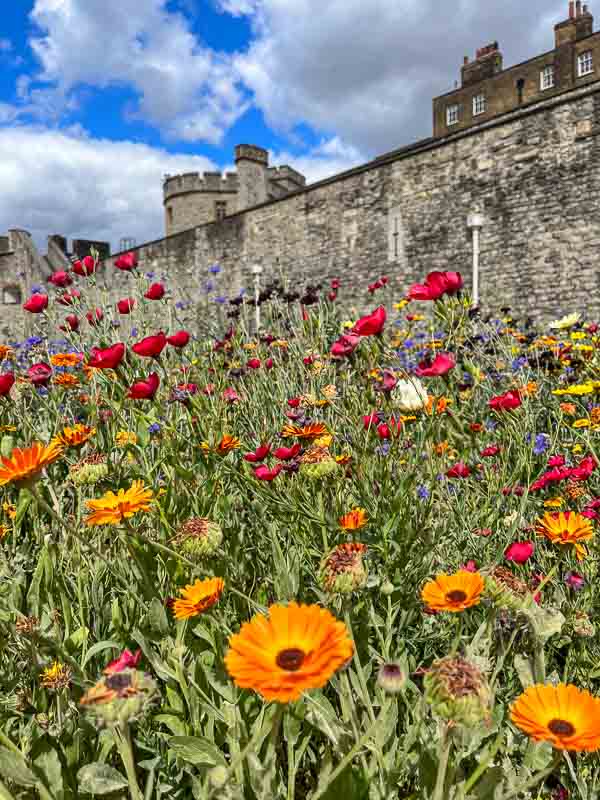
x,y
535,174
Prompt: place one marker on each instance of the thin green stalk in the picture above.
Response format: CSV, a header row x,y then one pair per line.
x,y
4,793
483,764
123,742
444,753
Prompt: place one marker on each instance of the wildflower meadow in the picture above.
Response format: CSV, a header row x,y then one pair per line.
x,y
335,555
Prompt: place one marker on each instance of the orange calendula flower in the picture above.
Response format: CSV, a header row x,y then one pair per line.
x,y
5,352
436,405
198,597
66,359
453,592
564,715
226,444
295,648
566,528
67,381
312,431
24,466
568,408
353,520
112,508
73,437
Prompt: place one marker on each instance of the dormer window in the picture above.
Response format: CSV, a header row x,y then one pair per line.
x,y
547,77
584,64
479,105
452,114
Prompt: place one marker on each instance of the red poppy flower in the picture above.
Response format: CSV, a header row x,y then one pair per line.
x,y
127,660
259,454
230,395
459,470
383,431
6,383
519,552
61,279
332,296
155,292
72,322
40,374
95,316
556,461
506,401
126,305
490,451
151,346
108,358
145,390
126,262
179,339
294,402
345,345
436,285
253,363
372,324
69,298
476,427
84,267
269,363
335,283
441,365
36,303
264,473
287,453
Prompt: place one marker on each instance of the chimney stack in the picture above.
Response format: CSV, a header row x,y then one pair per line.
x,y
578,8
466,60
585,11
572,9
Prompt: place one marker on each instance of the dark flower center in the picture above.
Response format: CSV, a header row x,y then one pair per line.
x,y
290,660
561,727
456,596
392,670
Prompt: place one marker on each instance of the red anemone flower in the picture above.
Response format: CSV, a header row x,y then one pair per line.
x,y
287,453
155,292
107,358
151,346
372,324
264,473
259,454
145,390
441,365
179,339
84,267
126,305
36,303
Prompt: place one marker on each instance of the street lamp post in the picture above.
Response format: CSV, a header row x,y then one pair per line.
x,y
475,222
257,272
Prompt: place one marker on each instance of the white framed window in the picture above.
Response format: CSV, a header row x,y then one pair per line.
x,y
584,63
478,104
452,114
547,77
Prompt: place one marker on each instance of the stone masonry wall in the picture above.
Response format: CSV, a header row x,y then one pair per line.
x,y
535,174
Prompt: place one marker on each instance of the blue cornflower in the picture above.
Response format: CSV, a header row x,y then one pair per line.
x,y
408,343
542,441
154,428
215,269
150,275
208,286
134,332
490,425
519,363
383,449
220,299
423,492
36,289
179,305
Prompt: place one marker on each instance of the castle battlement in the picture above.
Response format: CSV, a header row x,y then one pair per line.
x,y
286,173
199,182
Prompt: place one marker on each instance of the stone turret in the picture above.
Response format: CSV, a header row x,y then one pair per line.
x,y
252,164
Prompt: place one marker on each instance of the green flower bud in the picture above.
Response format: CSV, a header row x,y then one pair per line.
x,y
120,697
322,469
391,678
506,590
582,625
343,570
458,690
199,537
89,471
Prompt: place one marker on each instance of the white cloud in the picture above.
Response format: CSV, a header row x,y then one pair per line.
x,y
187,90
69,183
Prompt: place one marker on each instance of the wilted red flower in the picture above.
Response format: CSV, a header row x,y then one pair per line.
x,y
436,284
61,279
155,292
372,324
145,390
127,660
519,552
40,374
441,364
126,262
476,427
107,358
259,454
6,383
95,316
179,339
84,267
287,453
68,298
264,473
459,470
36,303
506,401
344,346
126,305
151,346
72,321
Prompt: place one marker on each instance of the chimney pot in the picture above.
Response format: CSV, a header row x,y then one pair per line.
x,y
466,61
578,8
571,9
585,9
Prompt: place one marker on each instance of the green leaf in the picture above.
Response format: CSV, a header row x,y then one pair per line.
x,y
14,767
197,751
48,764
6,445
524,670
98,648
157,617
99,778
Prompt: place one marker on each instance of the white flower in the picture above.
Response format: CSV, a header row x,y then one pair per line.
x,y
409,395
565,322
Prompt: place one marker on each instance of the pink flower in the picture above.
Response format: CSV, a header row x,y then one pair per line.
x,y
40,374
506,401
259,454
441,365
372,324
470,566
344,346
459,470
264,473
230,395
287,453
127,660
519,552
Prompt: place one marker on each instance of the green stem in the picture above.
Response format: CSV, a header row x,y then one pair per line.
x,y
444,753
483,765
4,793
534,780
123,742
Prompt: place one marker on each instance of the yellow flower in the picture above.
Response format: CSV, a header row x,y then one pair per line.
x,y
577,448
324,441
123,438
73,437
7,428
577,335
581,423
4,530
25,465
566,528
347,324
402,304
354,519
584,348
565,322
68,381
10,509
198,597
576,389
112,508
554,502
57,676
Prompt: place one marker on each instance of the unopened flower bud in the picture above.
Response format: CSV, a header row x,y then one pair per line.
x,y
458,690
120,697
89,470
391,678
199,537
343,570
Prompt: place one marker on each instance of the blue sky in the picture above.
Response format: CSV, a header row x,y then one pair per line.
x,y
100,98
